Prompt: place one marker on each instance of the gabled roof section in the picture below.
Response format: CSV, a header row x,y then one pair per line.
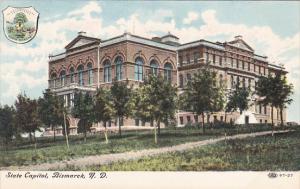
x,y
81,40
238,42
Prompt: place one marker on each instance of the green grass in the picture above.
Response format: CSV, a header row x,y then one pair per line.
x,y
48,151
24,153
281,152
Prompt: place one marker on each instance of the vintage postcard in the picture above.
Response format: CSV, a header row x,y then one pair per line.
x,y
143,94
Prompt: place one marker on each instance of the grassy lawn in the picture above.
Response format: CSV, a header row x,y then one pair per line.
x,y
25,153
281,152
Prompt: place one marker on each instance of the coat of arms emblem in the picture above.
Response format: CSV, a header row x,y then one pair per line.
x,y
20,23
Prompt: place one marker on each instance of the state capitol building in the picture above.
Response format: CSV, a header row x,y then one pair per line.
x,y
89,63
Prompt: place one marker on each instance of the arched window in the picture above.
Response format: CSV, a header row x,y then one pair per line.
x,y
90,73
107,71
154,67
168,72
53,79
62,78
80,75
72,75
180,81
118,63
138,69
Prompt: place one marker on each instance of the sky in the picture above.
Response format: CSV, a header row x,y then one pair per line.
x,y
270,28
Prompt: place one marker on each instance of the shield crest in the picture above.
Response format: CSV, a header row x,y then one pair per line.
x,y
20,24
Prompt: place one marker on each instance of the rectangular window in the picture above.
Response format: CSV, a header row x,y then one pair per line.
x,y
259,71
188,118
181,120
220,61
243,65
215,119
180,60
196,118
214,58
260,109
248,66
196,56
265,109
187,58
264,71
237,64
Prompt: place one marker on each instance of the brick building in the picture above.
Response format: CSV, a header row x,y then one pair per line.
x,y
89,63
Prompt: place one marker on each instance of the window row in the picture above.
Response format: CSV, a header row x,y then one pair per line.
x,y
72,73
138,69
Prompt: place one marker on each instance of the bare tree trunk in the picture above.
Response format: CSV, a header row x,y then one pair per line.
x,y
225,117
105,133
34,140
158,127
119,124
155,131
272,110
30,137
66,132
84,126
281,116
272,119
203,127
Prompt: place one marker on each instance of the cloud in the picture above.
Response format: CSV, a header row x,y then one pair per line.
x,y
29,70
192,16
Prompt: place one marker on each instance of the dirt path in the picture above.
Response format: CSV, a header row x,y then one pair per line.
x,y
110,158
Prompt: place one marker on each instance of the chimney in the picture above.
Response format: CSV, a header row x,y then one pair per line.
x,y
238,37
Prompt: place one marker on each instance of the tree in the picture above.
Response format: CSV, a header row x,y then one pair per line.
x,y
238,100
121,95
51,110
266,94
283,92
202,95
7,123
275,91
157,101
27,118
103,108
20,17
83,110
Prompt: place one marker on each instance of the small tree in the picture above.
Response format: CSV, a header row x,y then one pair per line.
x,y
51,110
7,130
283,92
103,108
27,115
157,100
83,110
202,95
121,100
238,100
266,94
